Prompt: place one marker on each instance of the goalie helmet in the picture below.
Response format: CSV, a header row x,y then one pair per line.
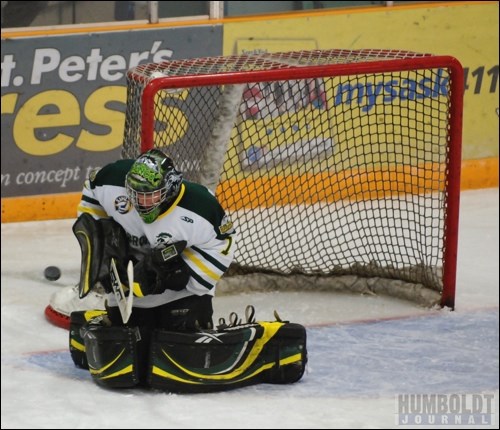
x,y
152,184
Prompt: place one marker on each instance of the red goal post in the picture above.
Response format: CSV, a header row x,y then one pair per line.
x,y
340,168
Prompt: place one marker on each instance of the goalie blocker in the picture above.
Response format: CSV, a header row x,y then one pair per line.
x,y
182,362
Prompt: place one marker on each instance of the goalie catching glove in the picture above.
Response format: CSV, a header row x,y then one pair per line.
x,y
161,269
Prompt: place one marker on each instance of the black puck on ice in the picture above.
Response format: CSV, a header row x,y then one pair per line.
x,y
52,273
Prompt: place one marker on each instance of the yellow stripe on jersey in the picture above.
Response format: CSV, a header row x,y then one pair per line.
x,y
92,211
198,263
175,203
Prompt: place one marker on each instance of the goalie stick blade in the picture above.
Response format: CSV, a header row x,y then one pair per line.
x,y
130,299
124,302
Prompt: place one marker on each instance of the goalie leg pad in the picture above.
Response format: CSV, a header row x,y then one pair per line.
x,y
111,354
271,352
290,351
76,344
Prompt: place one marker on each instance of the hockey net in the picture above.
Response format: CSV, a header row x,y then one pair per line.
x,y
339,168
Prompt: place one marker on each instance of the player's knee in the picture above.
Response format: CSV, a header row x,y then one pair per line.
x,y
108,352
76,344
236,356
112,355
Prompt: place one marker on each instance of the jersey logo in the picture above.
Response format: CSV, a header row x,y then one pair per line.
x,y
122,205
208,337
163,239
187,219
93,173
226,225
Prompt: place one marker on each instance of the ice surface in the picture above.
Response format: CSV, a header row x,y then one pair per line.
x,y
364,351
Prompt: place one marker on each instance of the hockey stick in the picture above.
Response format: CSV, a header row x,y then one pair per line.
x,y
130,300
124,302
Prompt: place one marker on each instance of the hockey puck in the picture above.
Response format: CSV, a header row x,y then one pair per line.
x,y
52,273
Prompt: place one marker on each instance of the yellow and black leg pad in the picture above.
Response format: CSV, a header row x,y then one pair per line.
x,y
111,354
76,345
261,352
290,355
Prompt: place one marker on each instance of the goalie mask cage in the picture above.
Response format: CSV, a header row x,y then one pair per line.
x,y
339,168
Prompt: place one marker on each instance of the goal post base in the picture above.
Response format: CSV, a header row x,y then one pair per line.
x,y
67,300
56,318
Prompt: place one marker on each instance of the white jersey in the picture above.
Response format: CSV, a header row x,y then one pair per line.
x,y
195,216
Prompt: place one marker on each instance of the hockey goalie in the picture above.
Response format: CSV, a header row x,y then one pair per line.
x,y
153,248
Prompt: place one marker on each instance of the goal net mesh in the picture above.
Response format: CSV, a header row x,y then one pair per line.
x,y
335,166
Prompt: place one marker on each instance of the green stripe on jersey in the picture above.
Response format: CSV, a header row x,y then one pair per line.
x,y
90,200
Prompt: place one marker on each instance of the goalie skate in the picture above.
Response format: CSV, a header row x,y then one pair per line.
x,y
67,300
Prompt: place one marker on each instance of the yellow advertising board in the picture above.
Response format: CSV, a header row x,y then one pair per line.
x,y
466,31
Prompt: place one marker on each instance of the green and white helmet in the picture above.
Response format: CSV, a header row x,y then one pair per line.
x,y
152,184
